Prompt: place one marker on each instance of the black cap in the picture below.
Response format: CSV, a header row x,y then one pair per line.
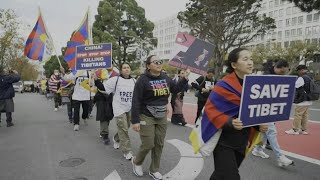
x,y
300,67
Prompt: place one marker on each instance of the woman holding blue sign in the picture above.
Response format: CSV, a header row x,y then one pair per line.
x,y
222,111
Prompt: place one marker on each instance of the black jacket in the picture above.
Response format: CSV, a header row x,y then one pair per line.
x,y
302,92
154,91
6,88
201,83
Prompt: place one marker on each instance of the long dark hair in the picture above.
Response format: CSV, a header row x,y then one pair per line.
x,y
148,61
233,58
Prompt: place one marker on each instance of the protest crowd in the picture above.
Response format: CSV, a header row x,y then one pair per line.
x,y
142,104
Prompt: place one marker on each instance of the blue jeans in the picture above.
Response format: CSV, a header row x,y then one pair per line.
x,y
271,135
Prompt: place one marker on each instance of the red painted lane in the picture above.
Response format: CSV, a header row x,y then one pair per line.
x,y
306,145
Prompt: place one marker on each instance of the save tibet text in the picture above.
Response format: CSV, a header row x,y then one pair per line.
x,y
268,91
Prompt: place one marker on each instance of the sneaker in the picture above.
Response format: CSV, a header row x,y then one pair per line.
x,y
284,161
71,120
116,145
128,156
85,122
55,109
304,132
260,154
155,175
76,127
106,140
9,124
137,170
292,132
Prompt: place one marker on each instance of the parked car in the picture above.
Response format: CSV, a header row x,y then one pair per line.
x,y
18,87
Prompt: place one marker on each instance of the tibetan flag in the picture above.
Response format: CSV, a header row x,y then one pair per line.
x,y
223,104
79,37
39,43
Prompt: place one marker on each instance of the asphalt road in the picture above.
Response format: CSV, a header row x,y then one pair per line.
x,y
36,147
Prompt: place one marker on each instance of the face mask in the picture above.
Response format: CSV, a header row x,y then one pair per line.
x,y
56,74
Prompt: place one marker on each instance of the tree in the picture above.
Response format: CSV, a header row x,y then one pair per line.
x,y
53,64
307,5
11,44
226,24
292,54
122,23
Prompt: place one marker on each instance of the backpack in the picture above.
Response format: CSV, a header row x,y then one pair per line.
x,y
314,90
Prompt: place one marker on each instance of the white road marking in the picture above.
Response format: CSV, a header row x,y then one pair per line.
x,y
304,158
113,176
190,164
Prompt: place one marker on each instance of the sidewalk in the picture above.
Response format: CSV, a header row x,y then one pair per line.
x,y
305,145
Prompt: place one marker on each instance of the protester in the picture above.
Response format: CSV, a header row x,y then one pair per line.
x,y
7,93
104,108
302,102
223,110
203,86
177,101
149,113
54,82
92,94
66,97
80,96
122,89
280,67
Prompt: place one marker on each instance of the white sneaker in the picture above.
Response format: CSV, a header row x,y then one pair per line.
x,y
156,175
304,132
128,156
116,145
76,127
85,122
292,132
137,170
284,161
55,109
260,154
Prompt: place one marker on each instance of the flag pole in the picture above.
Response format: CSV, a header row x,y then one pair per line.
x,y
50,38
90,26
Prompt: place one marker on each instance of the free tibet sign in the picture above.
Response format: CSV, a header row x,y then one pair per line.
x,y
97,56
266,98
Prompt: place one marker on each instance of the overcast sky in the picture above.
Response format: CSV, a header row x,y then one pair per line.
x,y
62,17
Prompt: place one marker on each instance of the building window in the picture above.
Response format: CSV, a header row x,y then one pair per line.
x,y
316,17
270,4
288,11
294,21
274,35
314,41
287,22
275,13
299,32
271,14
287,34
308,31
309,18
286,44
280,12
315,30
300,20
264,6
281,2
280,23
293,32
279,35
276,2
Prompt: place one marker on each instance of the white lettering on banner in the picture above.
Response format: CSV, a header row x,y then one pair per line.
x,y
93,59
266,109
93,47
93,64
269,91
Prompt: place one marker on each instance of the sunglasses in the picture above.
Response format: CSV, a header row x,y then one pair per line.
x,y
157,62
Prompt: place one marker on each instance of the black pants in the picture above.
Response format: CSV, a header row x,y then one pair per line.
x,y
69,108
200,107
85,108
9,117
226,163
57,100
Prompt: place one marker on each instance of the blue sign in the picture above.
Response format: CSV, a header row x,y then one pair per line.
x,y
266,98
96,56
